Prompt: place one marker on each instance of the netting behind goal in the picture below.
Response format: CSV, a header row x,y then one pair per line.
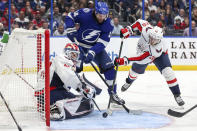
x,y
25,56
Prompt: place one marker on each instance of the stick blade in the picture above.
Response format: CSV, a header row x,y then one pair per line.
x,y
175,113
135,112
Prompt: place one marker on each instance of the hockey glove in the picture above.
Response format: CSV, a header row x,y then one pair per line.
x,y
89,57
121,61
88,93
126,32
71,33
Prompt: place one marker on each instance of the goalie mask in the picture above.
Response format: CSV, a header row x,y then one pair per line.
x,y
71,51
155,35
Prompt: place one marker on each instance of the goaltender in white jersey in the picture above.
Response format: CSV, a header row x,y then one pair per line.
x,y
64,103
151,48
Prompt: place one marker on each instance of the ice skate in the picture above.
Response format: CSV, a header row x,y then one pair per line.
x,y
126,85
116,99
179,100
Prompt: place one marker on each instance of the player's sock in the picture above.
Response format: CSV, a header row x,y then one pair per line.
x,y
127,84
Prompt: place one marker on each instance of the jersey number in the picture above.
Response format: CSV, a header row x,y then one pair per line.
x,y
145,24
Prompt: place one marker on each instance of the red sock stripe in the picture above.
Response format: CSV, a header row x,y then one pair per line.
x,y
132,77
172,81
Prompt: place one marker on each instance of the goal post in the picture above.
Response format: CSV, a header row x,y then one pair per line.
x,y
25,56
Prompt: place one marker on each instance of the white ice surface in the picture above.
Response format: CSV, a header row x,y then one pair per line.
x,y
149,93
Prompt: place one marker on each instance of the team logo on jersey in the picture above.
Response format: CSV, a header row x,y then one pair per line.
x,y
158,50
90,35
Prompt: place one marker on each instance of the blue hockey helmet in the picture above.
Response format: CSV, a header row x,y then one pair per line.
x,y
101,8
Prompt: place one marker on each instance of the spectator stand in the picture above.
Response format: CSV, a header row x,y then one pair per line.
x,y
53,12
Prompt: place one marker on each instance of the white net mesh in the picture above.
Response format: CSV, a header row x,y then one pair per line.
x,y
20,63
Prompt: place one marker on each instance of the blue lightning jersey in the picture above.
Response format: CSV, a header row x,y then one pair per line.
x,y
91,35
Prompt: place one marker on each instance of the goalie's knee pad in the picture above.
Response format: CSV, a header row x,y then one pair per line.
x,y
170,77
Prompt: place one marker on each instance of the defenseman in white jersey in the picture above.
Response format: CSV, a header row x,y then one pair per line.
x,y
150,48
63,103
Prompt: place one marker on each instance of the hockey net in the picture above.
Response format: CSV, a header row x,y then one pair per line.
x,y
26,54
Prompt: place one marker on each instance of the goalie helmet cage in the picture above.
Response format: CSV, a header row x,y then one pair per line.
x,y
24,77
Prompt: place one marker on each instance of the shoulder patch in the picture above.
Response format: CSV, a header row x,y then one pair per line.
x,y
112,23
86,10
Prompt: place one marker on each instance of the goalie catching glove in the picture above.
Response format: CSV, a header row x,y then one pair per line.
x,y
87,92
121,61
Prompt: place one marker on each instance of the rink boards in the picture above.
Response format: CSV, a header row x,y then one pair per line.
x,y
182,51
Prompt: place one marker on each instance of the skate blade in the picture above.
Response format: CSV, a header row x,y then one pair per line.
x,y
136,112
178,108
116,106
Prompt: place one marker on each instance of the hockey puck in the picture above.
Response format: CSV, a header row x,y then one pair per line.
x,y
105,114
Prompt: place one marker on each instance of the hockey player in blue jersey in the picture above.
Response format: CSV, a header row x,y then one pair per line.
x,y
93,36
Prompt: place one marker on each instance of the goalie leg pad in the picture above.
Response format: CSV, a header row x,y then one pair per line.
x,y
57,111
59,94
74,108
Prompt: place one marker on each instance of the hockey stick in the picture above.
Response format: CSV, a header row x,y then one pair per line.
x,y
96,105
108,107
19,128
98,90
180,114
19,76
92,98
109,111
92,65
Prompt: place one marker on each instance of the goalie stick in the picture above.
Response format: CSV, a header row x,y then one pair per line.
x,y
180,114
19,128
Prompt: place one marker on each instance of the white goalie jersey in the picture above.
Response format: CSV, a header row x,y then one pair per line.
x,y
146,52
65,70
